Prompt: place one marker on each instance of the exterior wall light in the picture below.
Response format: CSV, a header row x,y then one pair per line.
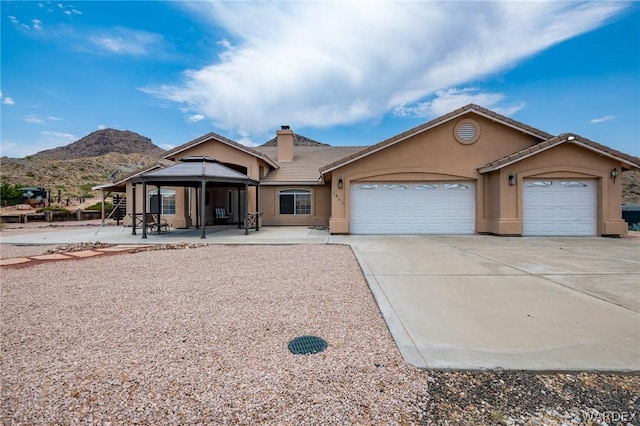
x,y
340,183
512,180
614,175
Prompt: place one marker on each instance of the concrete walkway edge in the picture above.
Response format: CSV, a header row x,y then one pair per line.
x,y
407,347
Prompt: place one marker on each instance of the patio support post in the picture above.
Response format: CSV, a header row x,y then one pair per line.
x,y
133,207
239,210
246,211
203,193
189,208
159,204
144,210
103,214
257,208
197,210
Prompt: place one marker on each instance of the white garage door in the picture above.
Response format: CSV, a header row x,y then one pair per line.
x,y
413,208
559,207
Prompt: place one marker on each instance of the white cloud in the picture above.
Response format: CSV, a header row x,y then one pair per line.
x,y
7,148
330,63
247,141
34,119
124,41
13,149
59,138
36,24
6,100
101,127
448,100
195,118
47,140
40,120
602,119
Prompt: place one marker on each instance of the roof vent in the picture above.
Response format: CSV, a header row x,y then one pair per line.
x,y
466,131
285,127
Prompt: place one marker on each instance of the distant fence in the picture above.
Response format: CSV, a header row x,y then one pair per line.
x,y
119,208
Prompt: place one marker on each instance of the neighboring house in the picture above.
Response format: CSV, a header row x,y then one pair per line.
x,y
469,171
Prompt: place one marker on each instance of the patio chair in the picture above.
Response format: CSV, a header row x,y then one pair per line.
x,y
221,215
154,226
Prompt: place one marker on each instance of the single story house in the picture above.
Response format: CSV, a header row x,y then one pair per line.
x,y
471,171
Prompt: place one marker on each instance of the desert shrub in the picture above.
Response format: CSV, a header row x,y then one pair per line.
x,y
98,206
59,209
10,193
86,190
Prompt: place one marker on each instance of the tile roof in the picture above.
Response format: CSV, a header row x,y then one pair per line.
x,y
306,164
298,140
436,121
311,162
211,135
193,169
120,183
631,161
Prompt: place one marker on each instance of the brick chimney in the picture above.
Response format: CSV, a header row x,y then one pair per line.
x,y
285,144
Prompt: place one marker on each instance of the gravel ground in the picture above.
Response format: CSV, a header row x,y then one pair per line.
x,y
134,339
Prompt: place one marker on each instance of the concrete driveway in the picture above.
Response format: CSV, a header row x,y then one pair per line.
x,y
476,302
471,302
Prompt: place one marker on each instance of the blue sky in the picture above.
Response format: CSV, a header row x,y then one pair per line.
x,y
343,73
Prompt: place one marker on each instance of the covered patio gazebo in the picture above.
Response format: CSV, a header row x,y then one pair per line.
x,y
194,172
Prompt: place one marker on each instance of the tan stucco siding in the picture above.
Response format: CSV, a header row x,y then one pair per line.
x,y
218,195
490,213
434,155
320,206
567,161
177,220
226,154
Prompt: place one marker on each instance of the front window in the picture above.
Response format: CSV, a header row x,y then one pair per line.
x,y
168,202
295,201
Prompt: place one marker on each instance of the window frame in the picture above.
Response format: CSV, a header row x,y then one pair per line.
x,y
295,193
168,194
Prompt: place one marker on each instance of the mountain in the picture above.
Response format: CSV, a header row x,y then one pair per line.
x,y
631,187
103,154
298,140
74,177
92,160
102,142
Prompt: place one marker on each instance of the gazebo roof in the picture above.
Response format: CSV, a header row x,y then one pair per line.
x,y
192,171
